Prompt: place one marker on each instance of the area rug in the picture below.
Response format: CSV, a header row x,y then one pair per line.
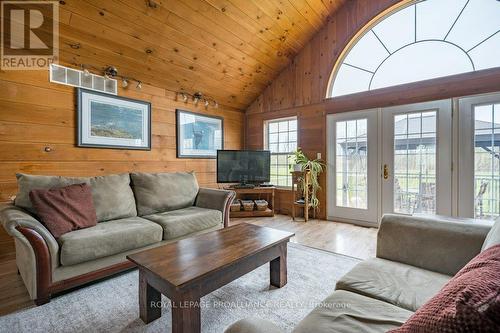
x,y
112,305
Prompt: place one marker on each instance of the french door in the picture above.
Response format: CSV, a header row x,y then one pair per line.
x,y
390,160
353,166
479,157
417,158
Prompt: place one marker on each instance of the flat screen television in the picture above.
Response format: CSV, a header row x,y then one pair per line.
x,y
243,166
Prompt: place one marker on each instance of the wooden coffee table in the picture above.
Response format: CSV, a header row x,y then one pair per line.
x,y
191,268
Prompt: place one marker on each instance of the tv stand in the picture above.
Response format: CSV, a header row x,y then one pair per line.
x,y
256,192
243,186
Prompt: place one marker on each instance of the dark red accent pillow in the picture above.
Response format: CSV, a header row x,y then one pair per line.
x,y
64,209
469,302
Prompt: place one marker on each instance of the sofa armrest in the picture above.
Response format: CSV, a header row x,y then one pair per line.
x,y
216,199
253,325
439,245
13,217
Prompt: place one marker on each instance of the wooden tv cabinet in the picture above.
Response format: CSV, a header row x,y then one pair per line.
x,y
266,193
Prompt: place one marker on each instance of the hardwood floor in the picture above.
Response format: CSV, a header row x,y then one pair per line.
x,y
13,293
341,238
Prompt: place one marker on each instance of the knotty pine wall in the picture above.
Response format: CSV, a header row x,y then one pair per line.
x,y
35,114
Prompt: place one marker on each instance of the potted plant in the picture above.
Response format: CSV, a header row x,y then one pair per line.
x,y
315,168
297,166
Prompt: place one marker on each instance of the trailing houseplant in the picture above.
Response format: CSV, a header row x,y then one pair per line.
x,y
315,168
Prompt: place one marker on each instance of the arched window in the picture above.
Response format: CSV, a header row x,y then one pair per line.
x,y
424,40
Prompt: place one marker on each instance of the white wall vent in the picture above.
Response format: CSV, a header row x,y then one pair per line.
x,y
76,78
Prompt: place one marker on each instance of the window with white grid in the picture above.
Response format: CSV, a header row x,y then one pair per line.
x,y
281,140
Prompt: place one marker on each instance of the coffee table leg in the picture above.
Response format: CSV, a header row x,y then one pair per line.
x,y
278,268
186,316
149,300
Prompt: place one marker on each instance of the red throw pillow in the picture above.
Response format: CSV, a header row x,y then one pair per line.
x,y
469,302
64,209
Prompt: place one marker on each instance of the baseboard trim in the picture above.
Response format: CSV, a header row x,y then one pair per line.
x,y
355,222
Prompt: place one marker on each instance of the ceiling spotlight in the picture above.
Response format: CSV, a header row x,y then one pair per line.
x,y
85,71
111,71
184,98
207,103
216,105
196,97
152,4
124,83
139,85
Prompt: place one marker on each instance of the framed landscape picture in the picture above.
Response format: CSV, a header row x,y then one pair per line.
x,y
199,136
108,121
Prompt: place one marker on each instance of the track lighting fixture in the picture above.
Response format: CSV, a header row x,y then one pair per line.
x,y
110,72
197,97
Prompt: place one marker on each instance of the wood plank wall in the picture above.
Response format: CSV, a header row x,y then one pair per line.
x,y
35,114
300,89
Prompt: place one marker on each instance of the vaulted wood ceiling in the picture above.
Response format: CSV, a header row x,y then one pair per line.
x,y
228,49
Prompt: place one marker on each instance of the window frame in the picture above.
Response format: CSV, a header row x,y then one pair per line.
x,y
465,195
372,24
266,144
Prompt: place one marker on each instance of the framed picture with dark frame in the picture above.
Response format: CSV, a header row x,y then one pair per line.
x,y
198,135
109,121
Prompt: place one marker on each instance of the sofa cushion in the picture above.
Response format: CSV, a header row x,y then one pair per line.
x,y
403,285
64,209
26,183
181,222
346,312
470,302
493,237
113,198
107,238
161,192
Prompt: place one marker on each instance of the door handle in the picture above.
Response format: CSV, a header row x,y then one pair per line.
x,y
386,171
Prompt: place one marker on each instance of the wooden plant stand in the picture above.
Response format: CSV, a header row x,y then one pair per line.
x,y
297,177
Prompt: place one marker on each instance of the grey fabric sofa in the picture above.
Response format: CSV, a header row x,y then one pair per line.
x,y
416,256
134,211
